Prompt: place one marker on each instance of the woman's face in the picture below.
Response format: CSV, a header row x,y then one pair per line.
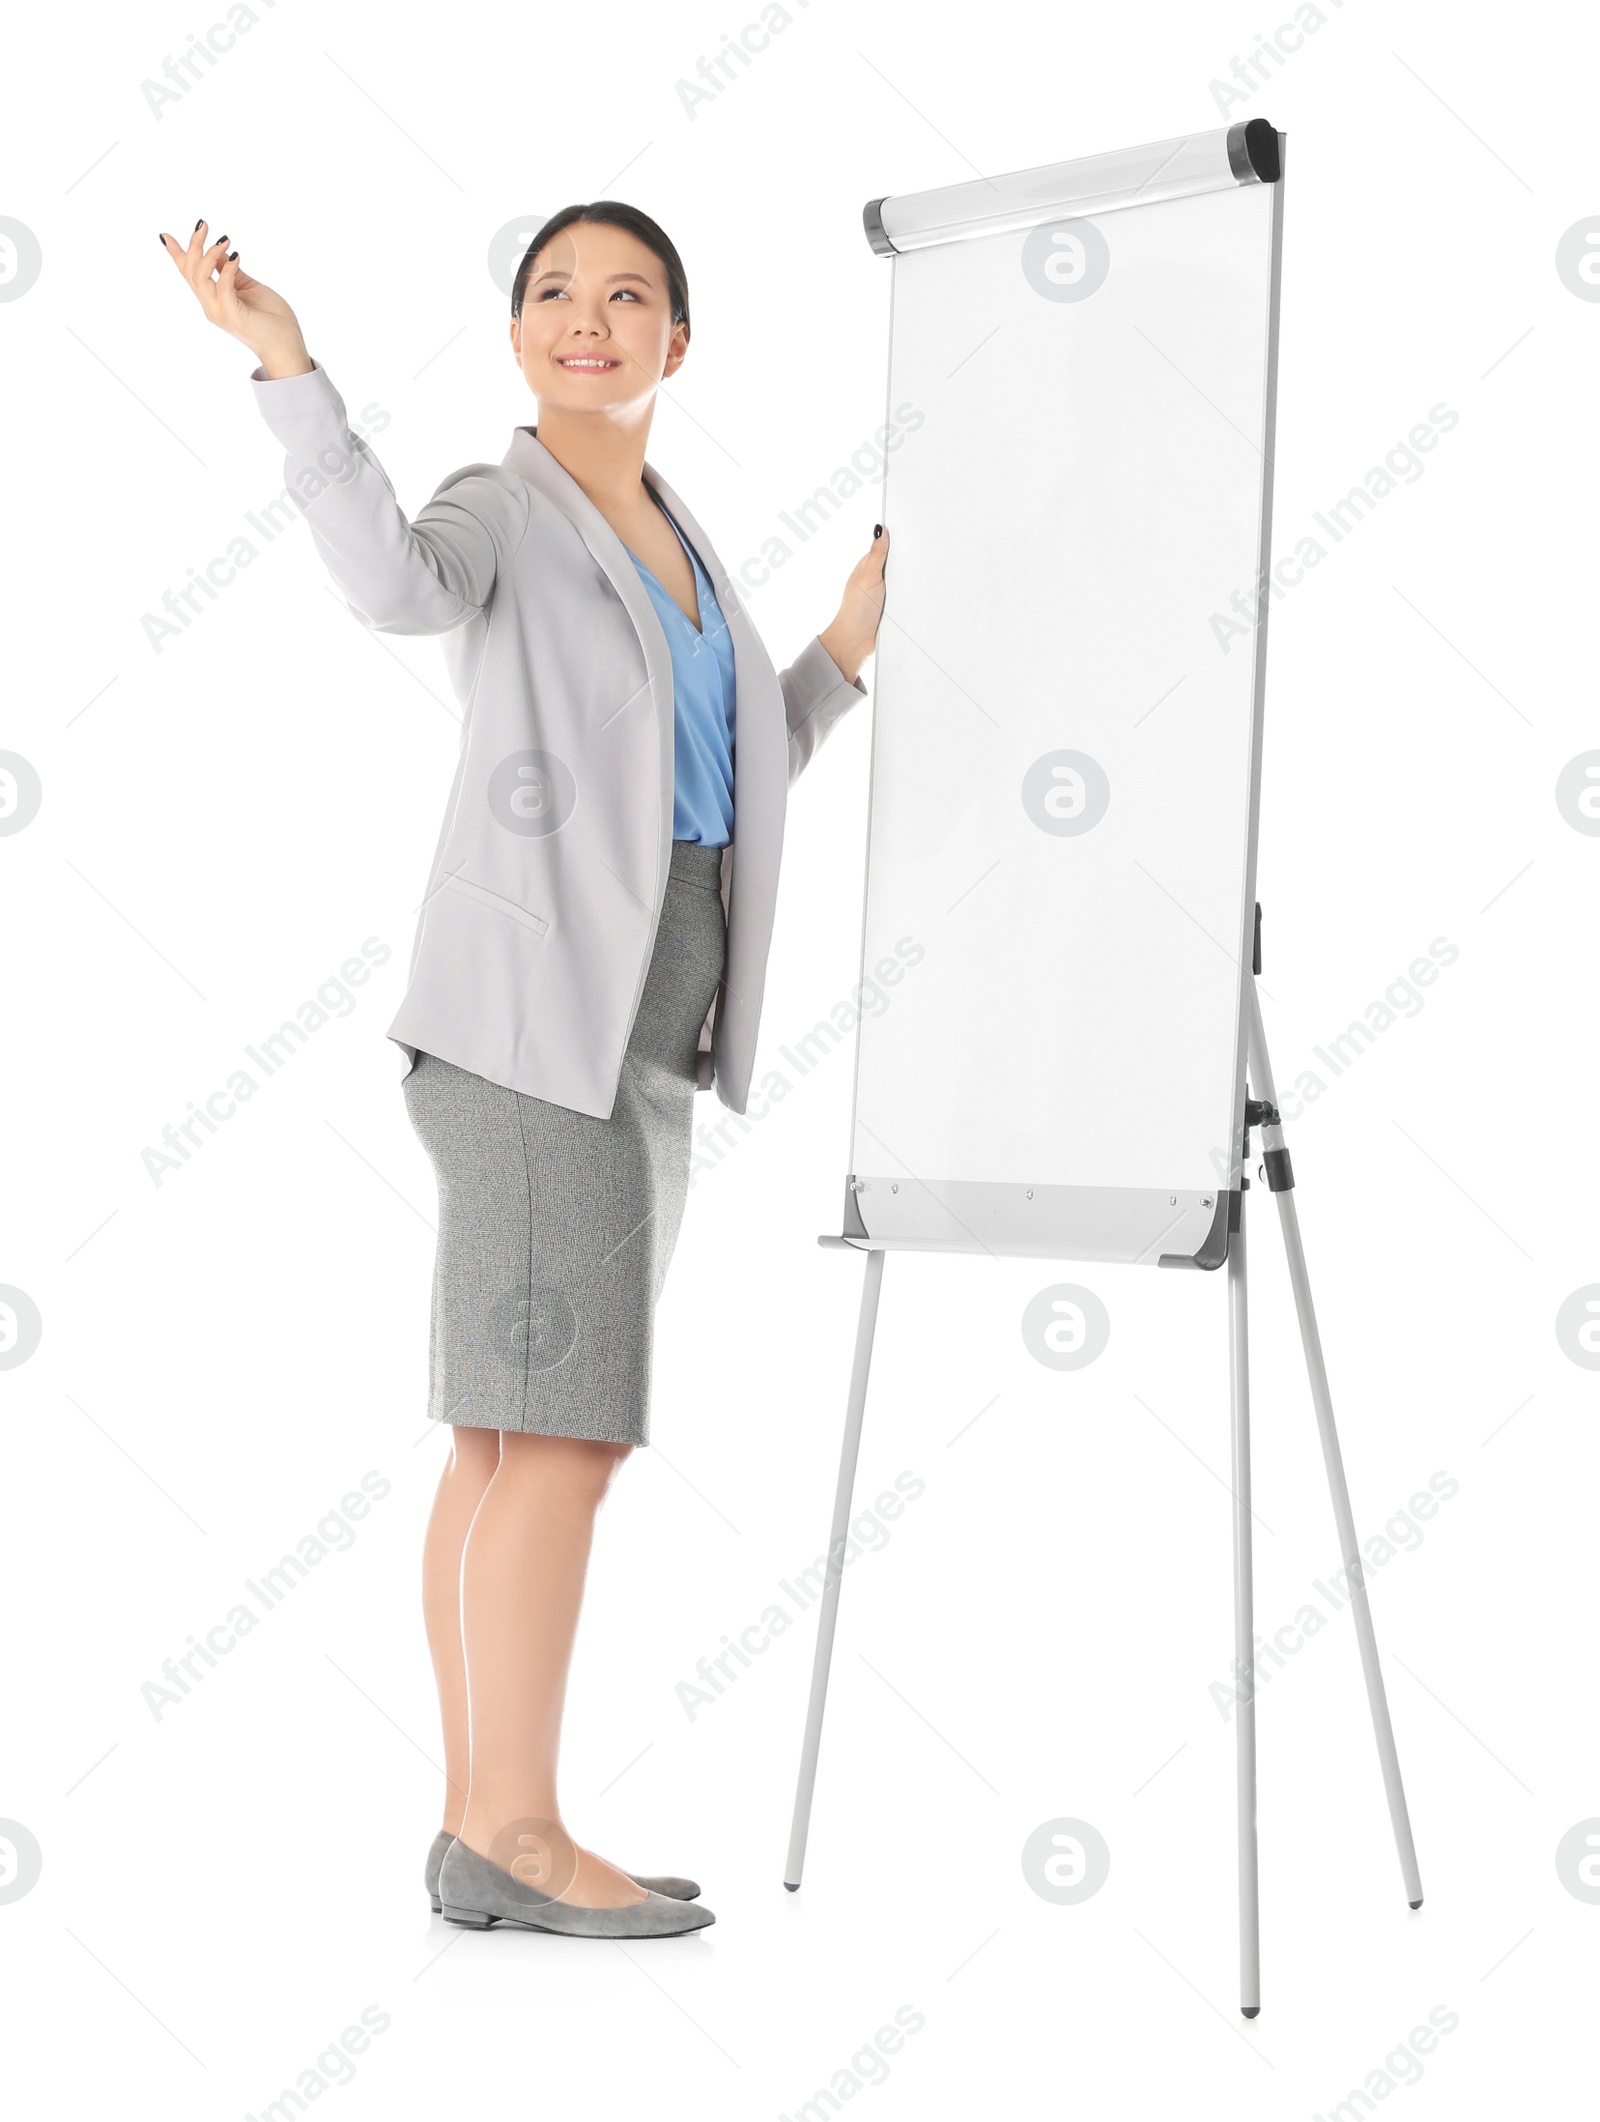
x,y
596,295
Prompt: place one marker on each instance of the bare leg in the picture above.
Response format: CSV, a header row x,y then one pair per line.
x,y
474,1455
522,1575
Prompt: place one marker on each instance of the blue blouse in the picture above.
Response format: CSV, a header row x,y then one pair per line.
x,y
702,705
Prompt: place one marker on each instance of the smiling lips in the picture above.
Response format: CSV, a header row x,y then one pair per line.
x,y
585,361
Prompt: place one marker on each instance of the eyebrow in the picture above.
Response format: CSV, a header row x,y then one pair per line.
x,y
555,273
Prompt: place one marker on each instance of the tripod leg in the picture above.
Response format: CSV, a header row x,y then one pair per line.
x,y
837,1541
1244,1649
1281,1180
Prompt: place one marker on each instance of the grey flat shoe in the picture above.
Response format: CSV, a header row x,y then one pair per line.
x,y
477,1894
674,1889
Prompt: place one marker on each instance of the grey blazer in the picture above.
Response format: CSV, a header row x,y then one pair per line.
x,y
541,907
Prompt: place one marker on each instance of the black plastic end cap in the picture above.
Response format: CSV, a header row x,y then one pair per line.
x,y
1416,1904
1261,145
1251,2011
791,1886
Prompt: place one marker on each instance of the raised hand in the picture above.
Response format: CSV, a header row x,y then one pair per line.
x,y
247,309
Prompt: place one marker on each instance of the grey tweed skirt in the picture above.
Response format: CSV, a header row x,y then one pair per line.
x,y
556,1228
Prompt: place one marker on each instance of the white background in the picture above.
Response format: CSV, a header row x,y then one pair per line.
x,y
224,1356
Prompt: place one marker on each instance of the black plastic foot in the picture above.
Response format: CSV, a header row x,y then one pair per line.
x,y
1250,2011
1416,1904
791,1888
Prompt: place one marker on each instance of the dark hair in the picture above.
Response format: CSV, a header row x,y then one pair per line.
x,y
616,215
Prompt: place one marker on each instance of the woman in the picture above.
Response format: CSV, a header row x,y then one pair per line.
x,y
590,952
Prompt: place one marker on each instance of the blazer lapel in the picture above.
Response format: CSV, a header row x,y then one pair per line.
x,y
761,731
761,743
529,458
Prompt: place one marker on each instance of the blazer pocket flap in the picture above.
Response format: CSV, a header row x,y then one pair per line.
x,y
481,894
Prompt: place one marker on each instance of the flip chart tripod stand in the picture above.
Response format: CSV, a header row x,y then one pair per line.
x,y
1262,1112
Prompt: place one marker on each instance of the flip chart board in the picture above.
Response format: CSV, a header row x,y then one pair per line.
x,y
1059,900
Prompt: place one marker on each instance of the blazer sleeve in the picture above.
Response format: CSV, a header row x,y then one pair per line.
x,y
425,575
816,695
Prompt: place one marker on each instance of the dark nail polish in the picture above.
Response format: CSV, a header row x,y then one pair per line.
x,y
232,255
877,530
163,240
198,223
220,239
